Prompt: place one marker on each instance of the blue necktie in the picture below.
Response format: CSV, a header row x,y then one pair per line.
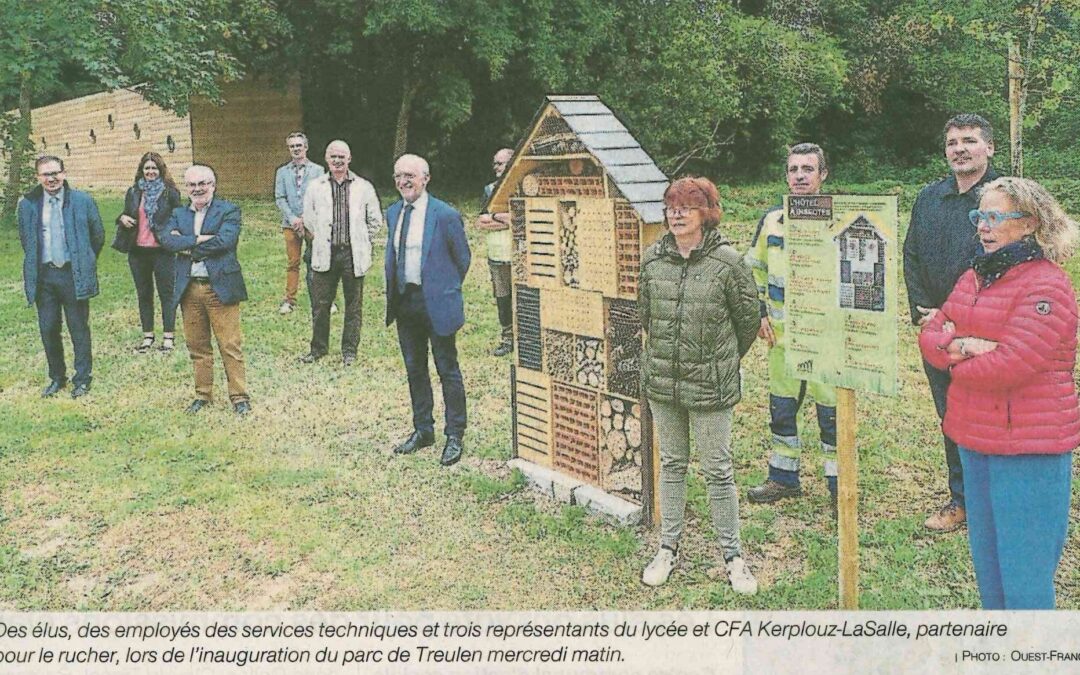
x,y
406,217
57,245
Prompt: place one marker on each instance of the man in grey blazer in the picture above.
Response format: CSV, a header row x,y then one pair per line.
x,y
290,184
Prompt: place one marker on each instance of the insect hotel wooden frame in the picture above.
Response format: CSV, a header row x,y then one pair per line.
x,y
584,201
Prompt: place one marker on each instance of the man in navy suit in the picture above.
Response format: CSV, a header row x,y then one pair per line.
x,y
209,286
427,256
61,235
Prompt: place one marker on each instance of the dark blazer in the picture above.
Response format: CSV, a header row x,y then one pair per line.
x,y
444,261
222,220
125,236
83,231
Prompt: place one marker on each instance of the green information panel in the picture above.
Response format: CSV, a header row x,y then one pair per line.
x,y
840,294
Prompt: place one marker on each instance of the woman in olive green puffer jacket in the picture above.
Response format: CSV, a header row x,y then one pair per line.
x,y
699,307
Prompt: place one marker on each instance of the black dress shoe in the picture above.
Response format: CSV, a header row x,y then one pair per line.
x,y
311,357
452,452
348,359
80,390
54,386
242,407
414,442
196,405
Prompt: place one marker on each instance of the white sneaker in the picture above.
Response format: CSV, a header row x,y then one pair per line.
x,y
658,571
742,579
285,308
333,308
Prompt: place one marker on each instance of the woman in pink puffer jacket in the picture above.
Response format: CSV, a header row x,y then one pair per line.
x,y
1007,334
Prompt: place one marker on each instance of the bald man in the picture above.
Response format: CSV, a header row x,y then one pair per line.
x,y
342,214
499,252
427,257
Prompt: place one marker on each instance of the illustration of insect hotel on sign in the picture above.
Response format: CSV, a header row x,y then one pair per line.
x,y
584,201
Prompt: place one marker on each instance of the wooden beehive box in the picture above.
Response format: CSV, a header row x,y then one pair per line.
x,y
584,201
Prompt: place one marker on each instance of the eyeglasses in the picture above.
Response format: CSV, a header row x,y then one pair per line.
x,y
200,184
675,211
296,146
51,174
994,218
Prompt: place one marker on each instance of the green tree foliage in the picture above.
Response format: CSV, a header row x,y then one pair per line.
x,y
707,87
167,50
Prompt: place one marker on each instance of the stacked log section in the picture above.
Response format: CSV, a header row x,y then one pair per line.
x,y
621,445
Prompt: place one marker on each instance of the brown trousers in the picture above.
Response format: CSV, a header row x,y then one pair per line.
x,y
205,315
294,244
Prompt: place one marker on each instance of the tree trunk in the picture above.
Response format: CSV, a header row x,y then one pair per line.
x,y
401,131
20,145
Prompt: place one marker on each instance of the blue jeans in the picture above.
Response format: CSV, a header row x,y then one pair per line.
x,y
1017,514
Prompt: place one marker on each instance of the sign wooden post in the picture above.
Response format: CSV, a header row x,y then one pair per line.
x,y
840,308
847,498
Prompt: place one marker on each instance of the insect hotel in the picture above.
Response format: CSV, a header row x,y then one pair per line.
x,y
861,248
584,200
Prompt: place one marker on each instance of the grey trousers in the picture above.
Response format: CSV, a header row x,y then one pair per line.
x,y
712,436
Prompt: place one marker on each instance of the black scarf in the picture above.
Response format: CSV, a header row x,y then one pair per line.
x,y
991,266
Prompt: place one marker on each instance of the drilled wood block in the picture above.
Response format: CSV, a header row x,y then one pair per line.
x,y
527,307
596,240
624,346
574,432
572,311
532,416
621,443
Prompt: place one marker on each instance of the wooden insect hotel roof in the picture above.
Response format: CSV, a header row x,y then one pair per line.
x,y
595,132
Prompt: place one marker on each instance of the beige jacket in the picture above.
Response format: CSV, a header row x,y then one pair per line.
x,y
365,220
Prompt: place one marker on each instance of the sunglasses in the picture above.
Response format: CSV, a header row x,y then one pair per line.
x,y
994,218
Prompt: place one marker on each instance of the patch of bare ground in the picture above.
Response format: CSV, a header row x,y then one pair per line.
x,y
187,559
51,538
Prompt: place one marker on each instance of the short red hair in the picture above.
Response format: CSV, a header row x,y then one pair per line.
x,y
697,192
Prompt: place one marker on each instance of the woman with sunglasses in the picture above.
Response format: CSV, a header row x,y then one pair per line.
x,y
699,307
1007,335
148,205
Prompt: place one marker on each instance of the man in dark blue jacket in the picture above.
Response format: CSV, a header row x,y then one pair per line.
x,y
61,234
209,285
427,257
940,244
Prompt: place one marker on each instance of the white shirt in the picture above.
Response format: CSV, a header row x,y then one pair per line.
x,y
414,245
46,233
198,269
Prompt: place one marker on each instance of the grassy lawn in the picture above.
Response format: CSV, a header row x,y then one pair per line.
x,y
119,501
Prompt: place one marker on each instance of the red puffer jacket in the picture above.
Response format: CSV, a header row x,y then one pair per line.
x,y
1020,398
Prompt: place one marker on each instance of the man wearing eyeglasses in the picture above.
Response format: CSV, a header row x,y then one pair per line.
x,y
61,234
940,244
499,243
209,285
427,257
806,169
290,184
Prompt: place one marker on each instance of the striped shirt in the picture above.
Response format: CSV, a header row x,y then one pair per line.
x,y
339,228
